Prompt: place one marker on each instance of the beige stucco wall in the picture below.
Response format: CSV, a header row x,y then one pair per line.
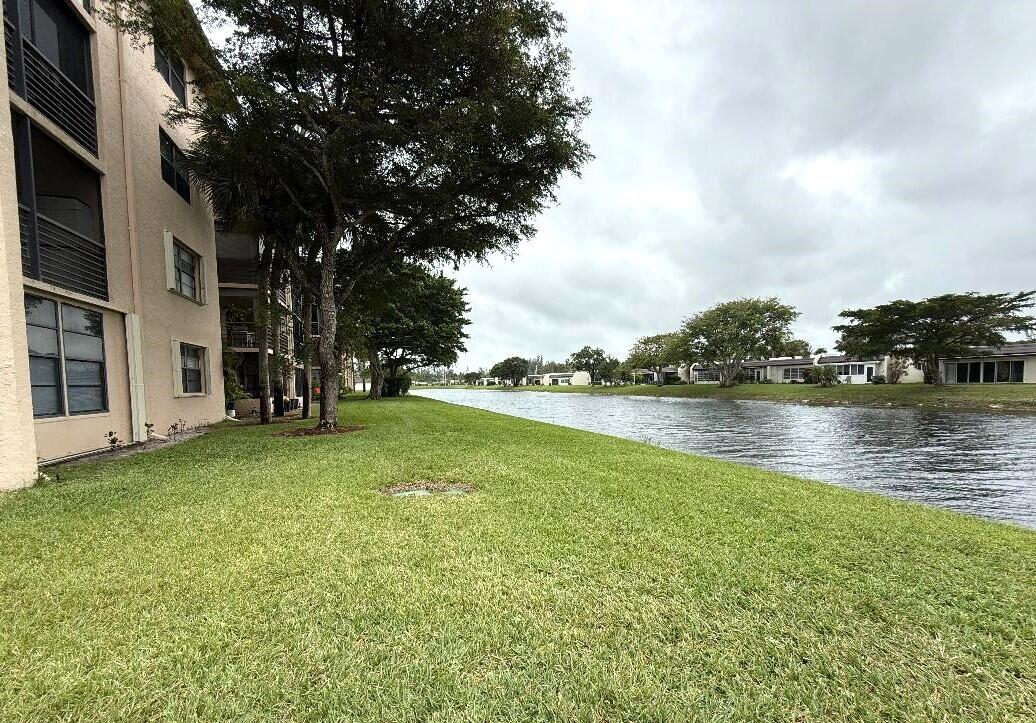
x,y
17,443
137,207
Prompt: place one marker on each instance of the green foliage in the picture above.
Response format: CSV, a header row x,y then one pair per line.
x,y
654,352
610,370
470,378
796,348
731,333
513,369
823,376
397,385
588,360
941,326
232,387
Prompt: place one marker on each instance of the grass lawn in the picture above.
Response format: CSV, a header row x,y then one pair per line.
x,y
1011,397
247,576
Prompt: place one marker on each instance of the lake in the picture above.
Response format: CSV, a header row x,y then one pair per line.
x,y
981,464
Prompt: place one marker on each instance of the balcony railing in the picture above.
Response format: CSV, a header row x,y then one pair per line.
x,y
245,335
68,259
241,334
59,98
9,49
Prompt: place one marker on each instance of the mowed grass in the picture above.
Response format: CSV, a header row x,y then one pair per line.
x,y
1008,397
246,576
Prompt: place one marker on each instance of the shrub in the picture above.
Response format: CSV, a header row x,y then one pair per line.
x,y
823,376
878,379
397,386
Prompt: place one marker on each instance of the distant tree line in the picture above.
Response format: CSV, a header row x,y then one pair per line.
x,y
731,333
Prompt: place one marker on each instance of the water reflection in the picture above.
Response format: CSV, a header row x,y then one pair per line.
x,y
982,464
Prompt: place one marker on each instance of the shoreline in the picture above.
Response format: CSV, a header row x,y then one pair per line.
x,y
988,399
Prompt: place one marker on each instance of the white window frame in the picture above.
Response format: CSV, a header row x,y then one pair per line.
x,y
206,360
171,242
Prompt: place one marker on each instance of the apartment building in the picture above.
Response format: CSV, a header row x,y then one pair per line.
x,y
110,320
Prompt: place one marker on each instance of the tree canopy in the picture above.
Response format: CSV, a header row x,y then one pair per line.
x,y
731,333
588,360
941,326
427,130
513,369
654,352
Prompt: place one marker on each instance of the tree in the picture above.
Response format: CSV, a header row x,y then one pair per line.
x,y
512,369
609,370
895,369
655,353
731,333
470,378
588,360
405,319
796,348
941,326
428,131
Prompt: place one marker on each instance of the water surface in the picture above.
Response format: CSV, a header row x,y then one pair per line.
x,y
981,464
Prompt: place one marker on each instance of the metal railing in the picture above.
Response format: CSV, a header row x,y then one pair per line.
x,y
241,334
10,51
57,97
69,259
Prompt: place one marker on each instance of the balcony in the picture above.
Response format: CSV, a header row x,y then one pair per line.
x,y
58,86
59,214
245,335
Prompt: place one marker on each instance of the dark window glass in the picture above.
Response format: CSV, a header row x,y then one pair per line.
x,y
62,39
185,268
962,373
67,191
173,72
975,372
988,372
1003,371
1017,371
190,369
174,166
41,319
82,338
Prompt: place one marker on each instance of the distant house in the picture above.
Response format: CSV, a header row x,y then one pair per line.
x,y
1013,363
533,380
669,374
575,379
488,382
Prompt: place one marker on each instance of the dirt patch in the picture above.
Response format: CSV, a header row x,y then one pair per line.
x,y
320,431
423,488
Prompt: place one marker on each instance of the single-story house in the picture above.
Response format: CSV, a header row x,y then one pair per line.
x,y
1013,363
575,379
488,382
532,380
669,374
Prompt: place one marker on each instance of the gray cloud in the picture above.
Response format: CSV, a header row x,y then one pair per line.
x,y
834,154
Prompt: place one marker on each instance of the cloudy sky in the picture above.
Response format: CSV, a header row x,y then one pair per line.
x,y
834,154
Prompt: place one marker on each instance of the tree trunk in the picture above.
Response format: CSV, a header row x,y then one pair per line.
x,y
377,376
276,371
307,351
263,331
328,332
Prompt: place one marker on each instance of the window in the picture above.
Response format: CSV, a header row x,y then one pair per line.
x,y
174,166
61,38
849,369
172,71
707,375
41,319
191,378
794,373
991,372
66,358
185,272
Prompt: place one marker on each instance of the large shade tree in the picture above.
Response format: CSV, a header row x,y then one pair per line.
x,y
590,360
654,352
512,369
941,326
731,333
430,130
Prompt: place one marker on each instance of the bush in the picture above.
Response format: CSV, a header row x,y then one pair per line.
x,y
878,379
824,376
